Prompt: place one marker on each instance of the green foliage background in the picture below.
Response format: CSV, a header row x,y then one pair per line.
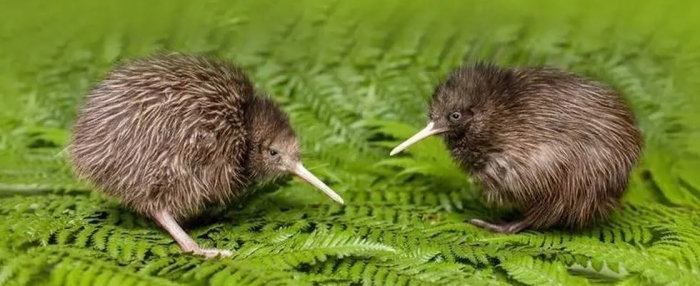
x,y
354,76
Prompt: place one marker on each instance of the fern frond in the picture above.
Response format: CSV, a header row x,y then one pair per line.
x,y
195,271
308,249
637,260
531,271
402,272
71,266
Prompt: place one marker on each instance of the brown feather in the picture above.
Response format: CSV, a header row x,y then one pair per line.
x,y
556,146
171,133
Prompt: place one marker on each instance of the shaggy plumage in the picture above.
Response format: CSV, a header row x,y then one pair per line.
x,y
553,145
172,133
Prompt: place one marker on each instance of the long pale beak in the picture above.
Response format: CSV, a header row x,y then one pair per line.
x,y
302,172
424,133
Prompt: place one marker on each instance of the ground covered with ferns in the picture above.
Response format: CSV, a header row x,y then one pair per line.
x,y
355,77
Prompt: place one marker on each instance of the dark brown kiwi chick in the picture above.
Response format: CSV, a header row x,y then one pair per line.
x,y
171,134
555,146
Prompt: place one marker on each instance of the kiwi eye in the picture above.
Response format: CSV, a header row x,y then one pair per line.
x,y
455,116
273,152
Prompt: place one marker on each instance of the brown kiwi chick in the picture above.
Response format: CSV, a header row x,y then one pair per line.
x,y
555,146
171,134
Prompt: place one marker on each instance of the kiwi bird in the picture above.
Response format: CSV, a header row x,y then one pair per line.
x,y
555,146
171,134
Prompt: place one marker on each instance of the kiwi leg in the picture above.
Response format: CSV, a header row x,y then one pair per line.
x,y
186,243
510,227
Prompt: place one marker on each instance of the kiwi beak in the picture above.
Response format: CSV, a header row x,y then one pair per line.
x,y
301,171
429,130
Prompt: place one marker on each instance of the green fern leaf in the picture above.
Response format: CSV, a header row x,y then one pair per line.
x,y
537,272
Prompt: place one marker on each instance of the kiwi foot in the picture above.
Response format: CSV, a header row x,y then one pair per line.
x,y
509,228
210,252
186,243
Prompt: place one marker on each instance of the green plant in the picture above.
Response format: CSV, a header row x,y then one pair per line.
x,y
355,77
